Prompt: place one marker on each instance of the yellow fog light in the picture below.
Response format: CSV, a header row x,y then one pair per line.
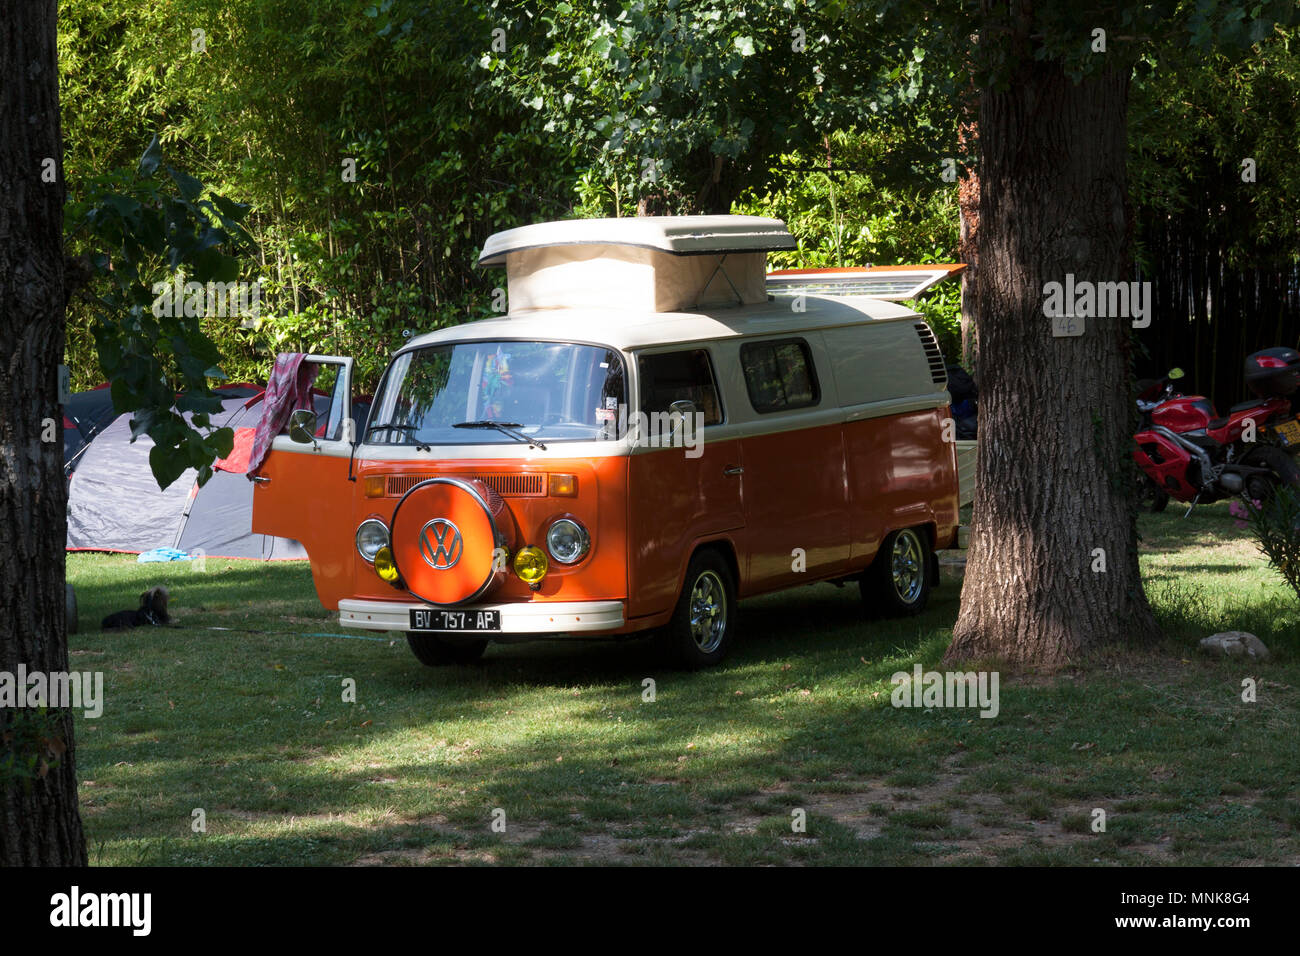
x,y
385,567
530,565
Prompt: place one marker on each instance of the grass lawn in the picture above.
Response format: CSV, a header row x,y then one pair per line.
x,y
239,712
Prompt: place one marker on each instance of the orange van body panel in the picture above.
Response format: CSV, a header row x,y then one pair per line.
x,y
901,474
796,508
672,503
307,495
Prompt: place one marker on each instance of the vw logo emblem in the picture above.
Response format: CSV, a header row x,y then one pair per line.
x,y
440,544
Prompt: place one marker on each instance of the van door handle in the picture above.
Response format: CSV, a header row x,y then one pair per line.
x,y
733,471
261,480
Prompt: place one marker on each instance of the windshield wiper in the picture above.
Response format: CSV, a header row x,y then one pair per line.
x,y
395,426
506,428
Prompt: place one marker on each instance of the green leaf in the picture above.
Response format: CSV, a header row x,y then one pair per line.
x,y
152,158
167,464
189,186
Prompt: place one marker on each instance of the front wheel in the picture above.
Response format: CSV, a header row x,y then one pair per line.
x,y
898,582
1151,497
438,651
699,634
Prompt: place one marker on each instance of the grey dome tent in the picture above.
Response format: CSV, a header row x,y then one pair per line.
x,y
83,418
115,504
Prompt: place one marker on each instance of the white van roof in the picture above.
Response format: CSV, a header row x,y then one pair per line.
x,y
678,235
634,330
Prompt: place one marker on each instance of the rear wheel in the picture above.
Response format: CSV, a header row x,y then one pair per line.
x,y
438,651
1285,472
699,634
898,582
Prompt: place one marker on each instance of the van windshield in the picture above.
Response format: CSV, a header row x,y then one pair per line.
x,y
458,393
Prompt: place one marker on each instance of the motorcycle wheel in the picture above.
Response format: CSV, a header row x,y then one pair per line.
x,y
1285,472
1150,496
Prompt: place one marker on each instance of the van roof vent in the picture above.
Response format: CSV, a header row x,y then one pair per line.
x,y
646,263
938,369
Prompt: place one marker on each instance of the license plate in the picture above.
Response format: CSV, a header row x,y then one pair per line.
x,y
470,620
1289,432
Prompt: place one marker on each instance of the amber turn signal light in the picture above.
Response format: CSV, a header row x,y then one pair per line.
x,y
563,486
374,486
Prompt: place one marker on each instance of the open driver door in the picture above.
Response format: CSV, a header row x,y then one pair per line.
x,y
302,488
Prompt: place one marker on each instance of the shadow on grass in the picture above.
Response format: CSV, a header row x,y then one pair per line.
x,y
253,728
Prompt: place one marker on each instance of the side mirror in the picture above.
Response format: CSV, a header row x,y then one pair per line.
x,y
1175,373
302,426
685,410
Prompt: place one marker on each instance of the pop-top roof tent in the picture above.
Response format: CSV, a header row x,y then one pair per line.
x,y
115,504
644,263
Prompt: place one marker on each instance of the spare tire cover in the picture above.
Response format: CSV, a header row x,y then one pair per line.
x,y
445,535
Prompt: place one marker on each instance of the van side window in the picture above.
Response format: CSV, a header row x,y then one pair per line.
x,y
676,376
779,375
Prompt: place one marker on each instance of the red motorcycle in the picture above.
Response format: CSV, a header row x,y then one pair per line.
x,y
1186,451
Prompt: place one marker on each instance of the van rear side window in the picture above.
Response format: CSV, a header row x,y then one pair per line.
x,y
679,376
779,375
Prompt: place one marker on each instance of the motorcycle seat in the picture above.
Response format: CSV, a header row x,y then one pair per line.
x,y
1218,423
1244,406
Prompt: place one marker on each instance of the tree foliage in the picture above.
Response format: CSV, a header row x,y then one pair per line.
x,y
143,227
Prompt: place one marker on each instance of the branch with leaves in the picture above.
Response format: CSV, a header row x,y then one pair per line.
x,y
146,227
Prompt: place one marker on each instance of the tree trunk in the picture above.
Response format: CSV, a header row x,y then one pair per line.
x,y
39,823
1053,496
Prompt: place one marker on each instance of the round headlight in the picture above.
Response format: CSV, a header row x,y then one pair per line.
x,y
371,536
568,541
531,564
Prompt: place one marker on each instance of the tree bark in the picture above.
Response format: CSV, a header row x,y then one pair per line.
x,y
39,822
1052,479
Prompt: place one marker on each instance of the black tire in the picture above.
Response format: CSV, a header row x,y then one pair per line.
x,y
438,651
700,632
1282,465
1151,497
899,580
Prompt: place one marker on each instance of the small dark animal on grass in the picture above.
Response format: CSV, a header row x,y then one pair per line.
x,y
152,610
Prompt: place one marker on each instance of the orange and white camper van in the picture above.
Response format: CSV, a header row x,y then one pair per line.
x,y
645,438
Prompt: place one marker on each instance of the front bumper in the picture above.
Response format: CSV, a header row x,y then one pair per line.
x,y
524,617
